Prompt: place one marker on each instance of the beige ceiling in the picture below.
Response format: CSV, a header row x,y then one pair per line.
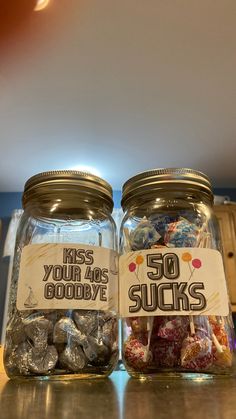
x,y
120,85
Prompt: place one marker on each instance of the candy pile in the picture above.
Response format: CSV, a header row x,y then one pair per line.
x,y
166,231
187,343
60,342
173,345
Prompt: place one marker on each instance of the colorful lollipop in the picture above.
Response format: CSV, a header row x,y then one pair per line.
x,y
166,353
196,353
181,233
174,329
144,235
136,354
132,267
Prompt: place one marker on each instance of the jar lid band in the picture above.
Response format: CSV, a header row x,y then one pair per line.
x,y
65,179
165,179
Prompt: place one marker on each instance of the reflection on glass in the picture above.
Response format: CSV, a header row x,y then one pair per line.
x,y
41,4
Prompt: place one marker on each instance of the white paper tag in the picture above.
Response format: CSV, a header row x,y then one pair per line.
x,y
183,281
67,276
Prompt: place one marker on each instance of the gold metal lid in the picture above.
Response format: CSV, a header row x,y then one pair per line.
x,y
69,179
165,179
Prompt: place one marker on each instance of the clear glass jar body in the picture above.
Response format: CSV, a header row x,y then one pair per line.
x,y
63,343
173,345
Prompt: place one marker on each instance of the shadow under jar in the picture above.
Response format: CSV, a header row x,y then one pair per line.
x,y
62,317
174,300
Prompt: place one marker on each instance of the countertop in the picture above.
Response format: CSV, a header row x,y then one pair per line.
x,y
118,397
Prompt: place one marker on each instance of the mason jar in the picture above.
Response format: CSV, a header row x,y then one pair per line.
x,y
62,316
173,294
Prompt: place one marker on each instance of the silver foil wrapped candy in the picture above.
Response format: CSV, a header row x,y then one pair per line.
x,y
37,330
73,358
65,329
42,361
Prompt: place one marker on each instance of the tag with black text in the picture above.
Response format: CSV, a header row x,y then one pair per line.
x,y
172,281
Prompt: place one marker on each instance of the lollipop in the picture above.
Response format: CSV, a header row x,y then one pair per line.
x,y
187,257
202,326
144,235
222,356
181,233
138,324
196,353
139,259
174,329
219,331
161,221
165,353
132,267
157,323
136,354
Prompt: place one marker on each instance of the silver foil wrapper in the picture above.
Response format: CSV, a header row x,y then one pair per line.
x,y
52,341
101,352
73,358
42,362
66,329
37,330
86,321
17,360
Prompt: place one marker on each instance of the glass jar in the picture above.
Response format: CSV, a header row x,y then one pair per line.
x,y
173,293
62,317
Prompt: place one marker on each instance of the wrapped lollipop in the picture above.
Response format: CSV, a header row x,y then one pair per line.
x,y
165,353
144,235
201,326
181,233
196,353
161,221
137,324
222,355
218,328
174,328
137,355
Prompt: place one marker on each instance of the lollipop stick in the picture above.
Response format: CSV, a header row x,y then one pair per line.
x,y
192,327
191,274
190,269
149,329
217,344
127,240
